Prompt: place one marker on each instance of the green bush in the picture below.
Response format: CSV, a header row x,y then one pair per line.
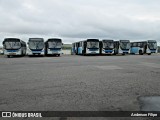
x,y
66,46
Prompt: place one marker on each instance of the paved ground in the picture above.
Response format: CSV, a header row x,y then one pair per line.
x,y
78,83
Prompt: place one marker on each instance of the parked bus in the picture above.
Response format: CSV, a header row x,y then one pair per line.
x,y
144,47
107,47
14,47
122,47
75,48
53,46
36,46
88,47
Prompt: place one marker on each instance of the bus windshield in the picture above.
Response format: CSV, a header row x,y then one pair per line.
x,y
125,45
152,45
108,44
54,44
92,44
12,45
36,44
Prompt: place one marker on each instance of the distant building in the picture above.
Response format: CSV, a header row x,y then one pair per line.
x,y
66,49
66,52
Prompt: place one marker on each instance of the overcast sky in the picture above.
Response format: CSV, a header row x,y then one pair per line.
x,y
75,20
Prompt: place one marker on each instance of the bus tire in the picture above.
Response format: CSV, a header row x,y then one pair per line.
x,y
123,53
149,53
8,56
83,53
140,52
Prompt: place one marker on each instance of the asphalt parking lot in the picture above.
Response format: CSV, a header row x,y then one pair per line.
x,y
78,83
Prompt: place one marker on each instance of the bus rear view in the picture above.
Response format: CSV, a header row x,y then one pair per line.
x,y
36,46
14,47
53,46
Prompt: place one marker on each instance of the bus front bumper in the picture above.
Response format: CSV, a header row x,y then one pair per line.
x,y
35,53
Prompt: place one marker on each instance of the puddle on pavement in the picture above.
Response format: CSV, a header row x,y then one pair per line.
x,y
149,103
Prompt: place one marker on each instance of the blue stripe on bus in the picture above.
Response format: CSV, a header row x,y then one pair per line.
x,y
92,49
37,51
108,51
12,50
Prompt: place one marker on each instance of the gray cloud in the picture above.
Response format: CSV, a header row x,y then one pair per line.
x,y
76,20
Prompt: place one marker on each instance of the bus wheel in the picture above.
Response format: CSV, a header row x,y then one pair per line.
x,y
123,53
149,53
8,56
140,52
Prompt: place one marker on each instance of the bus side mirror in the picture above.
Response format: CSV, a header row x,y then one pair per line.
x,y
62,43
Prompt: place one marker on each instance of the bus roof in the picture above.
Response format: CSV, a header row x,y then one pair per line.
x,y
36,39
139,42
8,39
122,40
107,40
92,40
11,39
54,39
151,40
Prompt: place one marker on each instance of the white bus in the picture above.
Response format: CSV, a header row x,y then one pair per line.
x,y
35,46
144,47
53,46
106,47
14,47
89,47
122,47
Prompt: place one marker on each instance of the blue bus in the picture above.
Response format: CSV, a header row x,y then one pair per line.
x,y
14,47
36,46
89,47
53,46
107,47
122,47
144,47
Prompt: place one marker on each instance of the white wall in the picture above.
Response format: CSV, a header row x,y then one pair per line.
x,y
66,52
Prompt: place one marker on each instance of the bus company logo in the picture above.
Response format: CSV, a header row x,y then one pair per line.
x,y
6,114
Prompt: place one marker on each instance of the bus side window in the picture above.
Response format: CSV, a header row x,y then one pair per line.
x,y
134,44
